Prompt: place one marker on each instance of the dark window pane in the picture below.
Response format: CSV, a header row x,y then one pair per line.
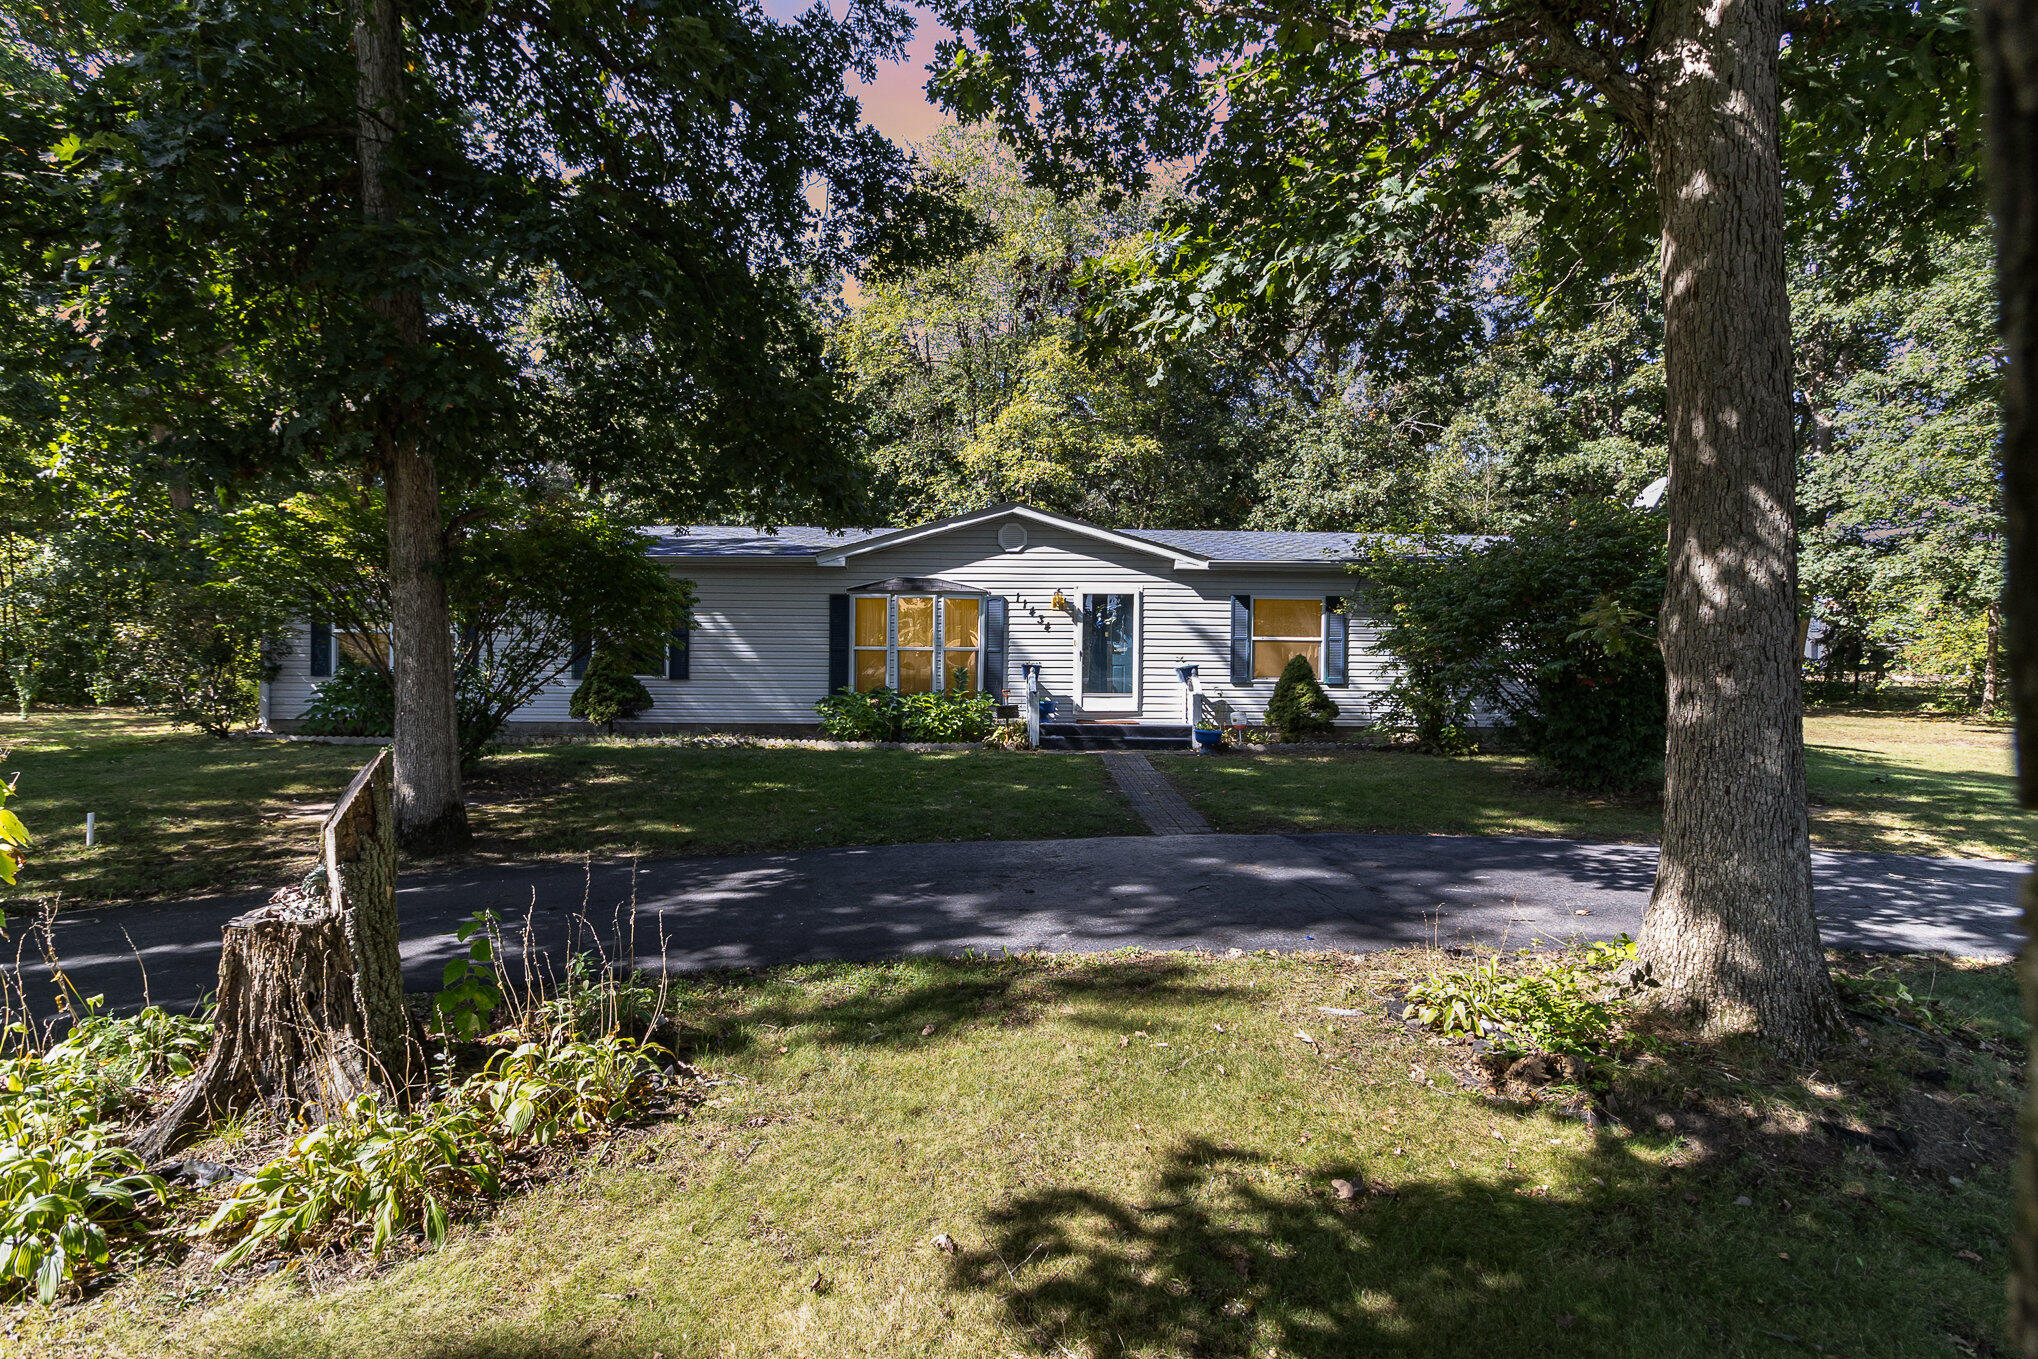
x,y
1107,644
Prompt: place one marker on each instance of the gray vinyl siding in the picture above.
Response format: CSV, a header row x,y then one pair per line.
x,y
760,645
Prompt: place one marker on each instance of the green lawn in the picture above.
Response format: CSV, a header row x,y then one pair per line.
x,y
1877,781
181,812
1134,1156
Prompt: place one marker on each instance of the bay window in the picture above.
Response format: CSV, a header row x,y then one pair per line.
x,y
915,643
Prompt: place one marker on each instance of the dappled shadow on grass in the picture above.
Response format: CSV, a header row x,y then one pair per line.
x,y
1211,1260
929,999
1931,808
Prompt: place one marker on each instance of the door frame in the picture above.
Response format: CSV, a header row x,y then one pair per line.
x,y
1112,705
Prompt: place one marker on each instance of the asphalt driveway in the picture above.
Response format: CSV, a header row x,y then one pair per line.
x,y
1211,892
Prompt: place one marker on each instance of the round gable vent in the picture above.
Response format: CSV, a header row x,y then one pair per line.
x,y
1012,537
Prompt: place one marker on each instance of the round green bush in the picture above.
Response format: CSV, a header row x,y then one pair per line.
x,y
609,693
1299,706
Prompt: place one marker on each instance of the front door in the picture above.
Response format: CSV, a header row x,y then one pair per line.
x,y
1108,653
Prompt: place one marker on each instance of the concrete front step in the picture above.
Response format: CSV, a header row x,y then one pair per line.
x,y
1112,736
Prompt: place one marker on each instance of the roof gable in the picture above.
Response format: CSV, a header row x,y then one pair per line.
x,y
1181,558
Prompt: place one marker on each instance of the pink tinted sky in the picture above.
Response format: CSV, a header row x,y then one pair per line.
x,y
896,102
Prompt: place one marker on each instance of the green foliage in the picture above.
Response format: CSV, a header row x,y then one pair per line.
x,y
979,385
609,692
957,713
369,1170
1299,707
1324,234
468,993
64,1186
852,715
380,1172
14,836
147,1047
356,700
1900,493
531,576
58,1200
1565,1005
1551,628
27,675
1007,735
563,1088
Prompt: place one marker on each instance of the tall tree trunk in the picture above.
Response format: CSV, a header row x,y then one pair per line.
x,y
430,813
1730,935
2008,34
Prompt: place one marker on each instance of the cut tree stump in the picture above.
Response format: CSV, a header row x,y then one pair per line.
x,y
310,999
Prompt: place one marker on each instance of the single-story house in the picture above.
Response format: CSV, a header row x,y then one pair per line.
x,y
1107,615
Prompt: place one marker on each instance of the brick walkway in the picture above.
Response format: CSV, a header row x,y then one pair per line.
x,y
1165,811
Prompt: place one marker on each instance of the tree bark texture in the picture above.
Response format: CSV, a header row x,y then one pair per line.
x,y
1730,936
2007,31
310,998
430,811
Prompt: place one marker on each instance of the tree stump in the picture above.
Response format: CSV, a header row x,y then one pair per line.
x,y
310,999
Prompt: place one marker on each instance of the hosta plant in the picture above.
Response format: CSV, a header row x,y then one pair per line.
x,y
373,1170
1561,1006
564,1088
59,1199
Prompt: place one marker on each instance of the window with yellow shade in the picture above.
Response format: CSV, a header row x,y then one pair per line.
x,y
961,635
1284,629
916,643
873,642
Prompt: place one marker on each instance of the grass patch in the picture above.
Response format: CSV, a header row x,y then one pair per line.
x,y
181,812
1134,1156
1911,785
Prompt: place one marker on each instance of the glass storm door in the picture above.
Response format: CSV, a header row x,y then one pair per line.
x,y
1110,652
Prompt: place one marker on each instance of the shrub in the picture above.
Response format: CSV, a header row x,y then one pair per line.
x,y
1552,628
370,1169
1299,706
1010,735
150,1046
355,701
58,1199
850,715
14,837
564,1088
956,714
1561,1007
610,692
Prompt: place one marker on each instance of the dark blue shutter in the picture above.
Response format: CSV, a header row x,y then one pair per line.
x,y
321,648
1334,640
577,667
1241,639
838,642
678,655
994,645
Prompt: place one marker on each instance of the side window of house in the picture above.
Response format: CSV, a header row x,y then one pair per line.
x,y
872,632
361,648
1284,629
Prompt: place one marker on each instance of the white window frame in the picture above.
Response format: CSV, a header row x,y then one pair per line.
x,y
940,648
1111,703
1256,637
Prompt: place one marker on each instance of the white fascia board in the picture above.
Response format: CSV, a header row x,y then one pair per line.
x,y
1076,526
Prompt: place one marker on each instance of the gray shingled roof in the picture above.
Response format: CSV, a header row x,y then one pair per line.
x,y
1247,545
796,541
734,540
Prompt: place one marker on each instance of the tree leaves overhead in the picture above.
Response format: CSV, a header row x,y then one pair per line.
x,y
618,211
1345,166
